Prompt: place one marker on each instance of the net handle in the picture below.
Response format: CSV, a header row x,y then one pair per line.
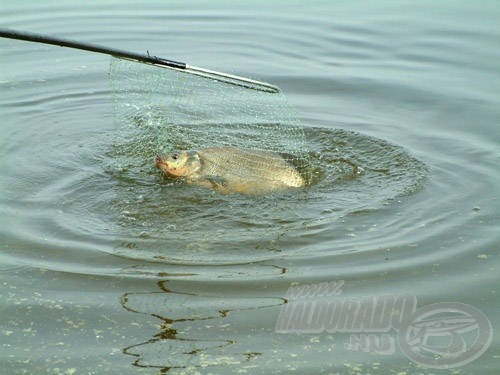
x,y
146,59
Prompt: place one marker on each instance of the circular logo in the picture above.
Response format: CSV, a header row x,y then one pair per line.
x,y
445,335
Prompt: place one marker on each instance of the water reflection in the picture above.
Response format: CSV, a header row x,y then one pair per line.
x,y
196,329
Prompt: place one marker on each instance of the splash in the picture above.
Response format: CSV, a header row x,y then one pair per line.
x,y
158,111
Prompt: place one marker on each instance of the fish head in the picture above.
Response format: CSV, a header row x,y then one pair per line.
x,y
179,164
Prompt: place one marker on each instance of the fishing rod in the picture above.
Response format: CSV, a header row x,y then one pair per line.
x,y
146,59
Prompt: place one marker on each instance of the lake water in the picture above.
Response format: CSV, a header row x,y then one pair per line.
x,y
108,268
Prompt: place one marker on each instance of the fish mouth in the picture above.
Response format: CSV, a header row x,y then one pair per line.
x,y
162,164
159,160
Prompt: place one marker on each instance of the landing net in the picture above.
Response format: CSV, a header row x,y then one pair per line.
x,y
165,110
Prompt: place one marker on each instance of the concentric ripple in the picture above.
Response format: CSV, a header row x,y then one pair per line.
x,y
123,271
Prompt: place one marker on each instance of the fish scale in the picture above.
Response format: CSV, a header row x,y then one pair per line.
x,y
246,164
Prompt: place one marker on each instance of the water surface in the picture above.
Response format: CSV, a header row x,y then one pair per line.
x,y
106,267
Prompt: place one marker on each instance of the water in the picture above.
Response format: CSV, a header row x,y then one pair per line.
x,y
108,268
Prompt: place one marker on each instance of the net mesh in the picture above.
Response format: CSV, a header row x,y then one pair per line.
x,y
165,110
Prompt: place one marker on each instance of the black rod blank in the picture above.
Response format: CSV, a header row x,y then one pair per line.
x,y
147,59
11,34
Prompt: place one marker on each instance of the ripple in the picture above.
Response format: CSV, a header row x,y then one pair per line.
x,y
92,195
202,276
158,221
140,216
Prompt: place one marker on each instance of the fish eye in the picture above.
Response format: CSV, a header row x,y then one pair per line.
x,y
175,156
